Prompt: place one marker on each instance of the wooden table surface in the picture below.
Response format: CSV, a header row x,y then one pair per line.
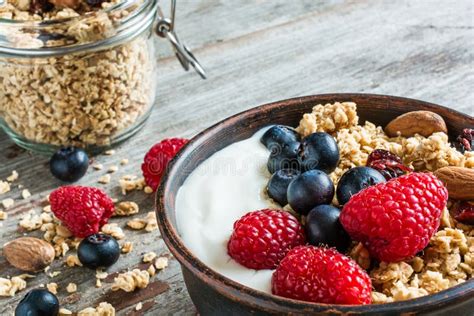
x,y
258,51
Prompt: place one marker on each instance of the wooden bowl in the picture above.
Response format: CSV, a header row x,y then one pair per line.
x,y
214,294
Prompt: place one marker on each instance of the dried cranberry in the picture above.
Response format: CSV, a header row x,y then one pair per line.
x,y
40,6
387,163
465,141
463,212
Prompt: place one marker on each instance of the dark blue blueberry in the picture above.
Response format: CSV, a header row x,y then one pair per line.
x,y
323,228
279,135
38,302
309,190
278,185
319,151
283,157
98,251
69,164
355,180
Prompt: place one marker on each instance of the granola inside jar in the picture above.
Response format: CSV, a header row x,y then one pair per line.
x,y
75,72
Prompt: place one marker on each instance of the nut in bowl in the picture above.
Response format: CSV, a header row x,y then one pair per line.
x,y
406,242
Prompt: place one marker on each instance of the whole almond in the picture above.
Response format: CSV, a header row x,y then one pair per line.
x,y
424,123
29,254
459,181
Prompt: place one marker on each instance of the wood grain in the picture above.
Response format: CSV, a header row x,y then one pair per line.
x,y
259,51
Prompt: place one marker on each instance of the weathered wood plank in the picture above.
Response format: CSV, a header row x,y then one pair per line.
x,y
257,52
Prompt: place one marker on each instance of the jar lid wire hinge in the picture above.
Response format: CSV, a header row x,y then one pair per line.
x,y
166,28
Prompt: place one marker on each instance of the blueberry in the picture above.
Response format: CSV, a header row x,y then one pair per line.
x,y
323,227
279,135
278,184
309,190
98,251
69,164
355,180
319,151
284,157
38,302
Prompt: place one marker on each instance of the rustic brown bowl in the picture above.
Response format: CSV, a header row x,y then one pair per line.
x,y
214,294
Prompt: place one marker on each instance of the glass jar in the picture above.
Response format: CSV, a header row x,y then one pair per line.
x,y
81,80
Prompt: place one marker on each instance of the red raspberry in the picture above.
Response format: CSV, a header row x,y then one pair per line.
x,y
157,159
321,275
396,219
262,238
83,210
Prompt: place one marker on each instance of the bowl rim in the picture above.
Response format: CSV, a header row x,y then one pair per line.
x,y
225,285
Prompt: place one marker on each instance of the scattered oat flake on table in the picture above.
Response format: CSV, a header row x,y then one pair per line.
x,y
139,306
131,280
73,261
31,221
25,194
161,263
148,190
130,183
104,309
52,287
9,287
101,275
112,169
4,187
126,208
114,230
3,216
105,179
64,312
98,166
71,288
109,152
13,177
151,270
149,256
7,203
127,247
54,274
124,162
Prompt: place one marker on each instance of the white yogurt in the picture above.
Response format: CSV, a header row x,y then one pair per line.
x,y
221,190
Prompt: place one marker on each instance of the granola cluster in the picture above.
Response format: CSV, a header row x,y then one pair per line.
x,y
80,99
448,260
356,141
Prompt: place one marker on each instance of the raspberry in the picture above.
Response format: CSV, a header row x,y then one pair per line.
x,y
387,163
396,219
157,159
321,275
83,210
262,238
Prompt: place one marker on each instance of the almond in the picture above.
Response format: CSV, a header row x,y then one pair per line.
x,y
424,123
29,254
459,181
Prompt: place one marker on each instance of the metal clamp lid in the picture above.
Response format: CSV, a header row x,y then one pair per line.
x,y
165,29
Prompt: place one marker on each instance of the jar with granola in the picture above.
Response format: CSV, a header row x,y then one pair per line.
x,y
76,72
